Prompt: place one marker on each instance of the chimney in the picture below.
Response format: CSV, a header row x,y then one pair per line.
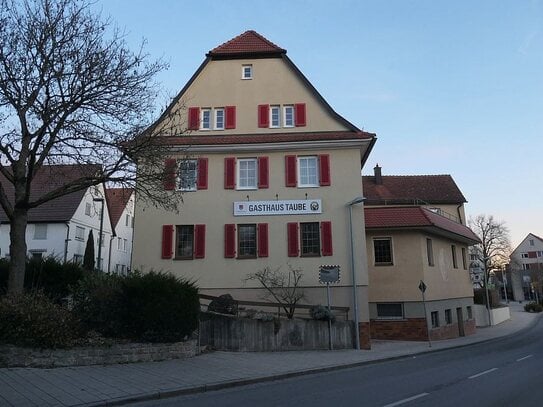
x,y
377,174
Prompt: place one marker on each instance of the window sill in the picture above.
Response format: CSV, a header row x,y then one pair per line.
x,y
310,255
308,186
391,319
246,257
383,264
186,190
183,258
247,189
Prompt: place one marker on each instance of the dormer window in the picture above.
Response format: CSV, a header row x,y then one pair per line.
x,y
246,72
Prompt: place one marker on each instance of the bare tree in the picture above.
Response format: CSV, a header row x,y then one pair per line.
x,y
495,247
71,92
283,287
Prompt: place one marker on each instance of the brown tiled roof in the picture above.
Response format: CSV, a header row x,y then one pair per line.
x,y
117,198
414,217
405,189
248,43
47,179
225,139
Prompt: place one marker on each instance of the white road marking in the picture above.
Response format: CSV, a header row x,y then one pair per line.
x,y
482,373
407,400
525,357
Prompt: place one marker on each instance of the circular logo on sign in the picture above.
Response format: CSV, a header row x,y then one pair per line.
x,y
314,206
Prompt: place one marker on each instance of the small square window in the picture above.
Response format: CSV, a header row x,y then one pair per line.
x,y
288,112
435,319
448,317
247,173
246,241
310,239
184,247
308,172
219,119
275,116
205,119
188,171
382,248
246,72
40,231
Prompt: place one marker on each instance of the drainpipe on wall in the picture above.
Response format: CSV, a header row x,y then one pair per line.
x,y
66,242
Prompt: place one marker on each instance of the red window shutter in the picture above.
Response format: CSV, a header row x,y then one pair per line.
x,y
262,240
299,115
230,240
194,118
532,255
326,238
167,241
170,165
263,115
324,170
263,172
292,239
229,173
230,117
201,182
290,170
199,241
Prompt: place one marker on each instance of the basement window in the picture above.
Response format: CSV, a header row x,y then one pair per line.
x,y
390,310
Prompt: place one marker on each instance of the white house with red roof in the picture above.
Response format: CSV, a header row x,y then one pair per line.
x,y
526,268
120,203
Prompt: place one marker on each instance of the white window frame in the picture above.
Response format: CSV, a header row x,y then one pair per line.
x,y
287,123
40,231
275,109
219,126
189,187
79,236
119,243
299,174
88,209
206,111
243,71
238,174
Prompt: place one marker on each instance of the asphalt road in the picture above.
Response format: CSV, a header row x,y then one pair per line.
x,y
504,372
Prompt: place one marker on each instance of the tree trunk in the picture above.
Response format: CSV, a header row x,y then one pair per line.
x,y
17,251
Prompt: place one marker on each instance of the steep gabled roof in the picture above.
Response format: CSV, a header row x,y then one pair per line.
x,y
524,240
416,217
405,189
248,44
47,179
117,198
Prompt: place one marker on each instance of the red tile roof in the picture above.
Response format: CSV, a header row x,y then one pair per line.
x,y
226,139
117,198
47,179
415,217
248,43
412,189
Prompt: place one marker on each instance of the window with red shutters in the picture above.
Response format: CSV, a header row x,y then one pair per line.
x,y
167,241
290,170
263,172
201,180
326,238
324,170
229,173
230,117
199,241
170,166
229,240
194,118
263,115
262,240
292,239
299,115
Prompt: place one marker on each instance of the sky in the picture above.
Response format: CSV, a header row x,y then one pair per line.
x,y
449,87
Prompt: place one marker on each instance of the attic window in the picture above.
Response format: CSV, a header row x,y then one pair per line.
x,y
247,72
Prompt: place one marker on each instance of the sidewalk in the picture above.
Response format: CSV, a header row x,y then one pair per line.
x,y
119,384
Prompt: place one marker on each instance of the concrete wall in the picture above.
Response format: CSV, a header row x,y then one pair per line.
x,y
249,335
498,315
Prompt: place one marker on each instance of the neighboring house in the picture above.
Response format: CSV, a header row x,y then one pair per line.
x,y
526,268
270,170
120,203
416,232
60,228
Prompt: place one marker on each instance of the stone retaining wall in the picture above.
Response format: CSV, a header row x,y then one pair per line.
x,y
12,356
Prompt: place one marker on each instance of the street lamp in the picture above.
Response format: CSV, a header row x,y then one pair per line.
x,y
350,204
101,230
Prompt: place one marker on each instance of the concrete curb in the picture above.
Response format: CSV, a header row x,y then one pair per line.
x,y
262,379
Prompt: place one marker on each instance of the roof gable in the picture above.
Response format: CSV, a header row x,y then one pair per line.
x,y
524,243
117,198
249,43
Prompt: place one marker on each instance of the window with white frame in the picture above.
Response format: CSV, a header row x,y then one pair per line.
x,y
40,231
532,242
88,209
188,171
275,116
308,171
219,119
79,233
247,71
205,119
247,173
288,113
524,255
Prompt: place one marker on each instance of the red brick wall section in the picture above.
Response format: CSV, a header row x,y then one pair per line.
x,y
364,335
413,329
469,327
